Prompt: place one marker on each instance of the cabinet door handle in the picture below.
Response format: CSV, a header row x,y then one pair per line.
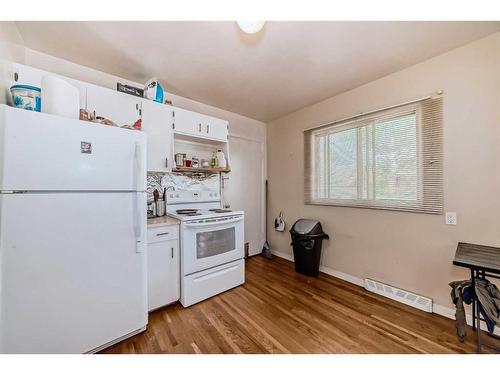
x,y
172,252
162,234
208,128
199,127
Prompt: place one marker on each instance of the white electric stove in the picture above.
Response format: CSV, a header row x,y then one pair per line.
x,y
212,244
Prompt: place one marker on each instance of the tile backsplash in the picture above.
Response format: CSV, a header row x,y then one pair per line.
x,y
178,181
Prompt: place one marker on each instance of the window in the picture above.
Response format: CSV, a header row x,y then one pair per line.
x,y
389,159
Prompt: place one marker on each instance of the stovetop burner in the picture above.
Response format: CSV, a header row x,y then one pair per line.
x,y
220,210
187,211
194,214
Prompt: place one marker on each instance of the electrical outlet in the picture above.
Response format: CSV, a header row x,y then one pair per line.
x,y
450,218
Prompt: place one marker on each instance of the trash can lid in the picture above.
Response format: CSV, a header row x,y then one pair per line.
x,y
307,226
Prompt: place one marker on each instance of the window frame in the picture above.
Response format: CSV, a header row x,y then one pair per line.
x,y
420,204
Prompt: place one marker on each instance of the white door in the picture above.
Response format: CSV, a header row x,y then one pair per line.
x,y
73,274
122,109
56,153
186,122
200,125
217,129
163,273
157,123
244,188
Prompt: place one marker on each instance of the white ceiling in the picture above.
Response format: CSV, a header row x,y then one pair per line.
x,y
285,67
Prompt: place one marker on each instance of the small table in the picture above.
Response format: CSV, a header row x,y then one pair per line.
x,y
483,262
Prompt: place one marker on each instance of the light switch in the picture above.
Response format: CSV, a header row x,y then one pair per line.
x,y
451,218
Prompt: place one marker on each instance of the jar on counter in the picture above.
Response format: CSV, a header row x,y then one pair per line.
x,y
195,163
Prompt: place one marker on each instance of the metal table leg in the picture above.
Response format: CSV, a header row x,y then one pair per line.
x,y
478,325
472,276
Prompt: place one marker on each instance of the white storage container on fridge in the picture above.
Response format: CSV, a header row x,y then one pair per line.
x,y
60,98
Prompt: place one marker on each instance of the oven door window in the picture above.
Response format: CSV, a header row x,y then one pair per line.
x,y
215,242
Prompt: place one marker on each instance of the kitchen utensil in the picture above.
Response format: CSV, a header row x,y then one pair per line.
x,y
179,159
151,209
26,97
60,98
156,196
160,208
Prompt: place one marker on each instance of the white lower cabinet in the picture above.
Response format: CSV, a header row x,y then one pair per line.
x,y
163,266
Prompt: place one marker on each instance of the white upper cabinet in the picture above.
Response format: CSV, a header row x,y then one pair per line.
x,y
122,109
157,123
215,128
185,122
198,125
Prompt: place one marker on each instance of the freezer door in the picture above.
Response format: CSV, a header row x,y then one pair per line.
x,y
73,270
41,152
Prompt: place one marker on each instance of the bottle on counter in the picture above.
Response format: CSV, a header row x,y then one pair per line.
x,y
213,161
221,159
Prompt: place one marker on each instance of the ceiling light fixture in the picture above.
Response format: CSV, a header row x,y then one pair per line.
x,y
251,27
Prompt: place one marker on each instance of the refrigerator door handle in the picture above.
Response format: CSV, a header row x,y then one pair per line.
x,y
136,212
138,167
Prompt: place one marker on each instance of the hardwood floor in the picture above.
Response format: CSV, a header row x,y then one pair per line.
x,y
280,311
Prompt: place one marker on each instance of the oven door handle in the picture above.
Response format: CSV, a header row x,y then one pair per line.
x,y
212,223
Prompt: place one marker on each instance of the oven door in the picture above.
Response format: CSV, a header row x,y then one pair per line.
x,y
211,242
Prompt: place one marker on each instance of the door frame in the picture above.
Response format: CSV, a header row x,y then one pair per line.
x,y
263,178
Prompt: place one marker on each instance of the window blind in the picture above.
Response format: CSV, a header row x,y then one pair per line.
x,y
389,159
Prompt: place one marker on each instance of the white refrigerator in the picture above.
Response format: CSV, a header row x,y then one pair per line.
x,y
72,233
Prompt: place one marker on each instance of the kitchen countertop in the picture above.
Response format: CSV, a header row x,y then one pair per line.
x,y
162,220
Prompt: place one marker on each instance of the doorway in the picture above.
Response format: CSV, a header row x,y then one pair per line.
x,y
244,188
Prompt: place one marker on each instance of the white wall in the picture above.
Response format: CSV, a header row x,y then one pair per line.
x,y
409,250
11,50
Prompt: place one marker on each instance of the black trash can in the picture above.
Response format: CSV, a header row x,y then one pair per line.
x,y
307,237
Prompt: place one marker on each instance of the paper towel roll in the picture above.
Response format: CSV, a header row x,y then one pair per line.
x,y
60,98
